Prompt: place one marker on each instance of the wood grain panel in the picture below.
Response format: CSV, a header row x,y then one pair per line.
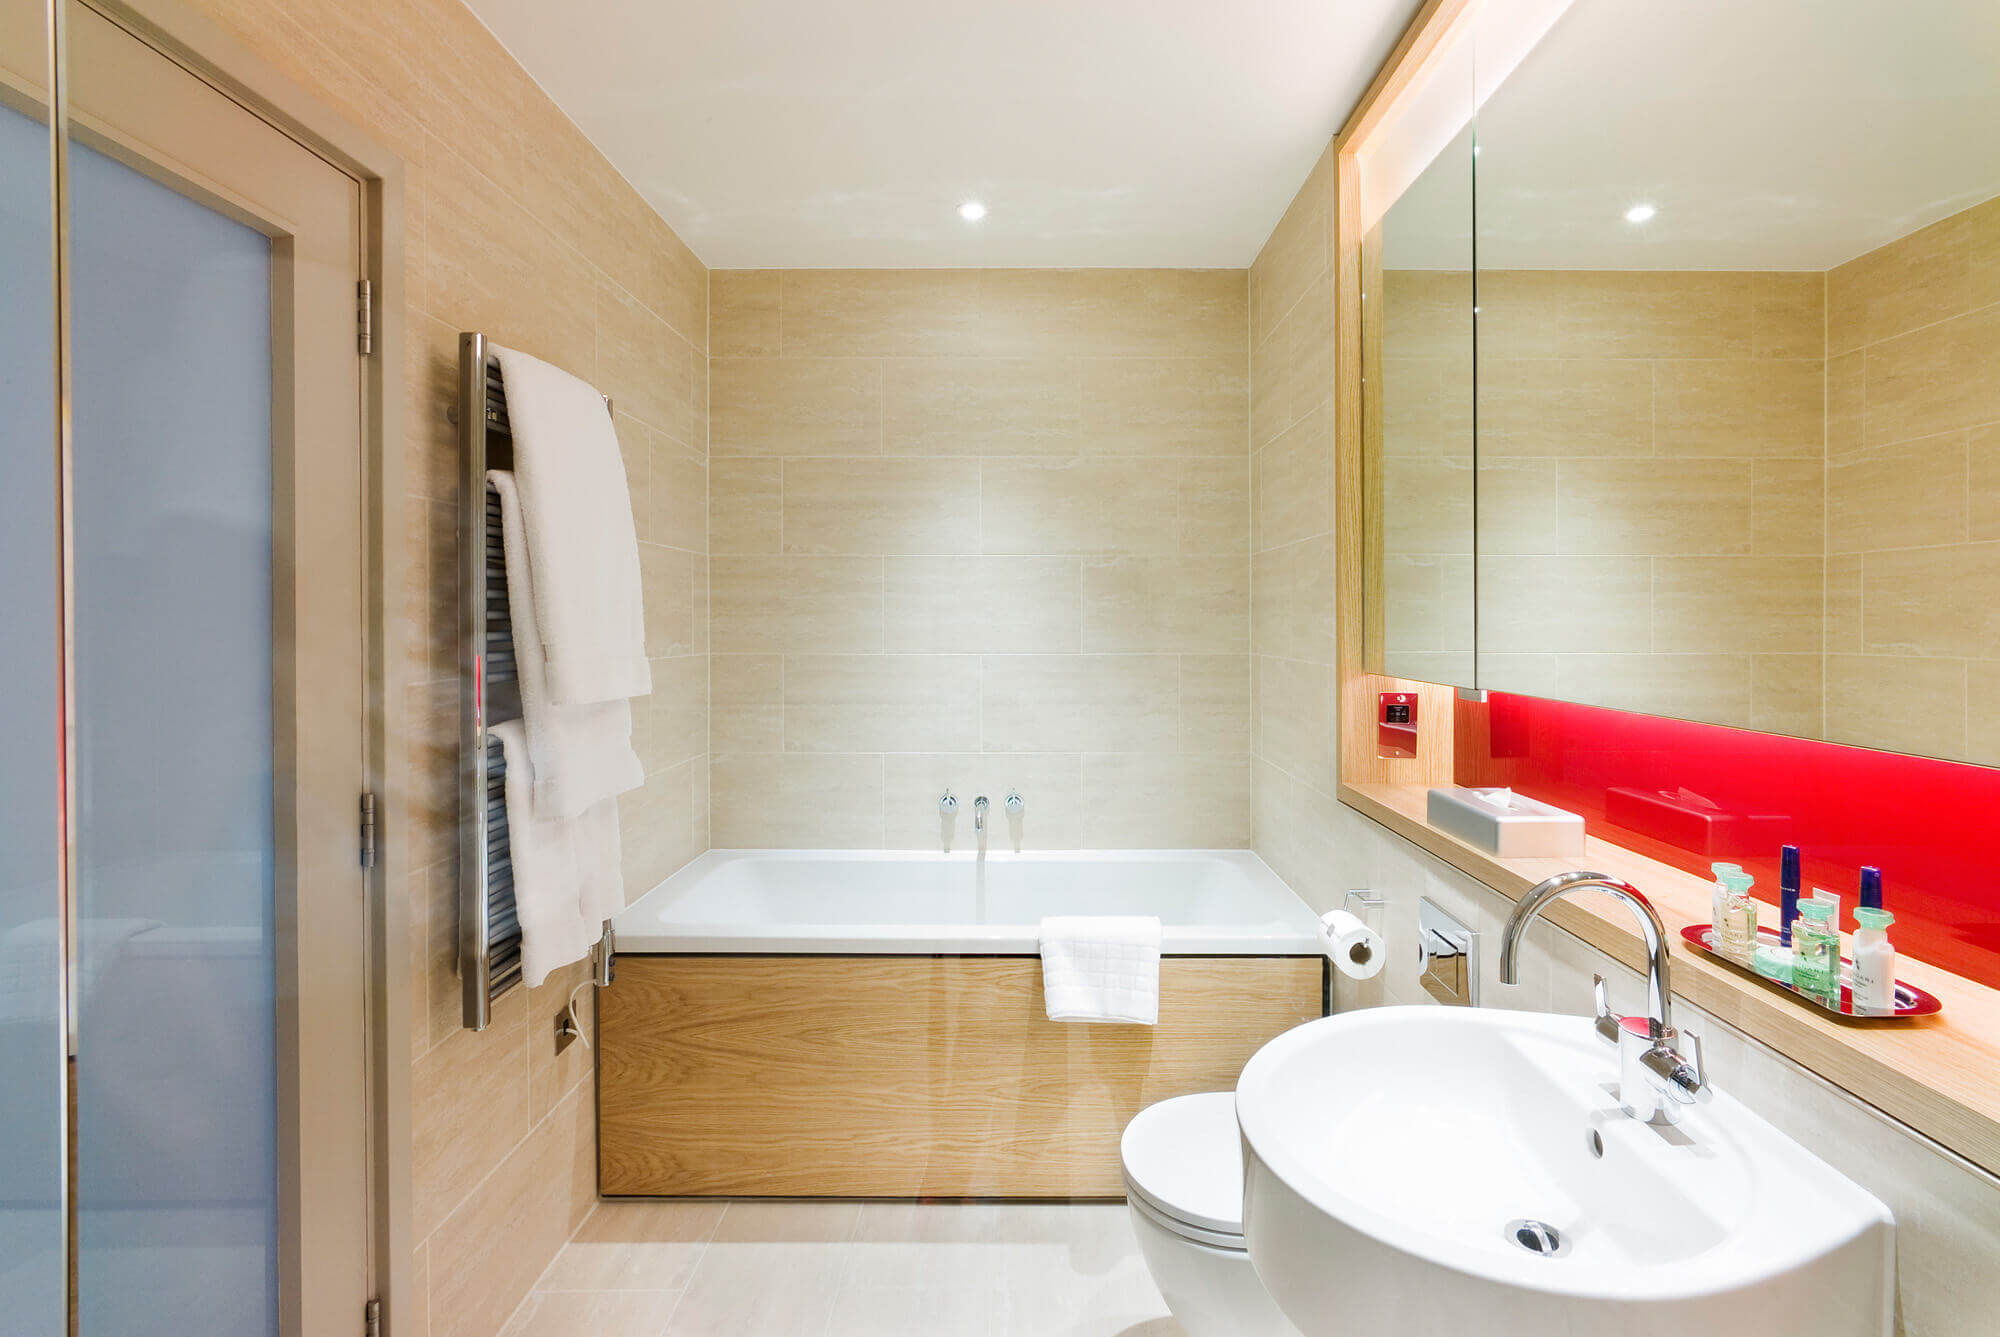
x,y
904,1076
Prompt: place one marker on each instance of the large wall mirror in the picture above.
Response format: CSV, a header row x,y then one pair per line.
x,y
1722,440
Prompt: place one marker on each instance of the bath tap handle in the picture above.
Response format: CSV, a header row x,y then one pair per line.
x,y
947,803
1014,804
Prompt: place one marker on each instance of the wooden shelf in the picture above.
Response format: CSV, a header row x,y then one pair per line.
x,y
1940,1075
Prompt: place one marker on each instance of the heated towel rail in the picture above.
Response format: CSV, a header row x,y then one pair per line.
x,y
489,932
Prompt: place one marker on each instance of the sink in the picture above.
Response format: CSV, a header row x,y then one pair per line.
x,y
1502,822
1434,1172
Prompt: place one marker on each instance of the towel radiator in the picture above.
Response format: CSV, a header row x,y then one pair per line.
x,y
489,932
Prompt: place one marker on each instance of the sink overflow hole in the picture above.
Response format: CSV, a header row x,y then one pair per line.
x,y
1597,1144
1538,1237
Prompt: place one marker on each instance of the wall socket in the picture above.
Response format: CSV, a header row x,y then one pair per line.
x,y
567,1033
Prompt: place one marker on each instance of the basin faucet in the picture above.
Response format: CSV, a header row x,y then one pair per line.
x,y
979,806
1654,1079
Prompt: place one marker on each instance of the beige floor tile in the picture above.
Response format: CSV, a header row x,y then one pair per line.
x,y
759,1290
628,1313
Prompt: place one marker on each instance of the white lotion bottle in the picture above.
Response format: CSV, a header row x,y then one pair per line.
x,y
1874,981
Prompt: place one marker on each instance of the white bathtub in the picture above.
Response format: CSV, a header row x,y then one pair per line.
x,y
1210,902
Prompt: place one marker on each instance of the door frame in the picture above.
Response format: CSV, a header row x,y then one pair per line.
x,y
213,55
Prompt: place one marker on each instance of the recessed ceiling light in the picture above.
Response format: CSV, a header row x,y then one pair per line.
x,y
1640,213
972,211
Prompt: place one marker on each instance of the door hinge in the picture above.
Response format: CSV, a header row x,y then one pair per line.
x,y
371,1319
364,317
367,830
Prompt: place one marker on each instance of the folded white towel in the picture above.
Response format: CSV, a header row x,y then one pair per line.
x,y
582,755
567,874
1101,968
581,543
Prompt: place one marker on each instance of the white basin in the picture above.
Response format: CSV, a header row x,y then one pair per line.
x,y
1387,1150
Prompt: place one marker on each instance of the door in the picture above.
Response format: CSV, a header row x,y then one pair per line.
x,y
215,938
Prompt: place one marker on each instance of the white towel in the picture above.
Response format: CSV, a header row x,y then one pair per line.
x,y
581,544
567,870
582,755
1101,968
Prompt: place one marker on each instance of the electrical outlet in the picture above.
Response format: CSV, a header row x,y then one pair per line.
x,y
566,1031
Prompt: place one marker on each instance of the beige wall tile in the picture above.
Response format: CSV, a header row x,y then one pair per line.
x,y
1765,605
1292,482
1175,803
797,801
881,703
1935,379
1528,673
1097,703
1898,496
670,725
1177,406
1563,604
1787,694
1215,703
1916,280
1846,402
679,497
1427,405
981,406
797,604
881,506
1565,406
1181,605
794,406
643,365
1788,315
1899,703
1787,506
1843,603
746,512
1652,314
1641,506
743,318
674,584
1758,407
1428,606
881,312
469,1106
1079,506
1518,313
1292,720
635,452
1932,601
662,825
1714,688
1215,504
1299,250
1113,312
1983,711
1517,505
1427,504
1983,483
991,605
747,712
1292,612
1427,313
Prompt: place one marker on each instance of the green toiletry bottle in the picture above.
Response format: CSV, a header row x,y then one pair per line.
x,y
1816,953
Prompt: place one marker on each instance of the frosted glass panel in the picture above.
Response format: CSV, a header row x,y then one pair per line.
x,y
31,1261
176,1093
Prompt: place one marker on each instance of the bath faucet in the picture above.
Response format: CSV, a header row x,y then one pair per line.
x,y
1654,1079
1014,803
979,806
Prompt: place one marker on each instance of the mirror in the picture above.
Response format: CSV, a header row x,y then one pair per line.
x,y
1738,371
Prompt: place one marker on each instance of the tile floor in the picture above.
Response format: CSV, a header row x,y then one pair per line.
x,y
847,1269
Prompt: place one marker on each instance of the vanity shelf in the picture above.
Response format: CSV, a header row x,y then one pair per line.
x,y
1910,1000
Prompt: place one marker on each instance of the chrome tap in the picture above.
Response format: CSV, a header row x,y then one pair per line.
x,y
979,806
1654,1078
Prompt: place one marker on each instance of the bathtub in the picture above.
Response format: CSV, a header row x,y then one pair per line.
x,y
1209,902
869,1024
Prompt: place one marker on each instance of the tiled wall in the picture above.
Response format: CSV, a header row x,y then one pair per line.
x,y
517,227
1913,492
986,529
1650,495
1947,1210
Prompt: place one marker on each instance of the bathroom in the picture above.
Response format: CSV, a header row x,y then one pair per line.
x,y
1149,542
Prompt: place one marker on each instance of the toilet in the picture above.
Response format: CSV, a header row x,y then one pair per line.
x,y
1183,1162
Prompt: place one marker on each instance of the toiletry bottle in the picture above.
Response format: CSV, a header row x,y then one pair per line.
x,y
1739,919
1788,892
1715,901
1871,887
1816,953
1874,964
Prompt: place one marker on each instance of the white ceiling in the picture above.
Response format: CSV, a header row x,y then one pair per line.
x,y
1769,134
795,133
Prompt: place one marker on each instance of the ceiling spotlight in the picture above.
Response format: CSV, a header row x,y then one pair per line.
x,y
1640,213
972,211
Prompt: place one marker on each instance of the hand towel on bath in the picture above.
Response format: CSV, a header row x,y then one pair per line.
x,y
581,543
567,877
1101,968
581,755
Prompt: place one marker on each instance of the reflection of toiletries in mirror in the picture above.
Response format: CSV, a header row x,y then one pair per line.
x,y
1871,887
1788,891
1716,897
1773,963
1816,953
1738,940
1874,963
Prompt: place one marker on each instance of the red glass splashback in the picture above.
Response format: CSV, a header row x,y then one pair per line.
x,y
1691,794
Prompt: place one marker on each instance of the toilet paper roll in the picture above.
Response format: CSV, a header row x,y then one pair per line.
x,y
1355,949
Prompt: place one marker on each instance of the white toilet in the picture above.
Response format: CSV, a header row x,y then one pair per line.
x,y
1184,1185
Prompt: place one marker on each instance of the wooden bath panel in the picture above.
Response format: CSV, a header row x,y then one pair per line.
x,y
904,1076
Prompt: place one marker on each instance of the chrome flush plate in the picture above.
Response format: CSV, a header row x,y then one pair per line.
x,y
1448,956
